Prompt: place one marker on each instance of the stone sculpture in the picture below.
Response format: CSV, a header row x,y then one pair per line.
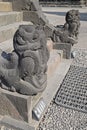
x,y
24,70
68,33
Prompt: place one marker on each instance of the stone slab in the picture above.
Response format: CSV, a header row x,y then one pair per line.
x,y
10,123
10,17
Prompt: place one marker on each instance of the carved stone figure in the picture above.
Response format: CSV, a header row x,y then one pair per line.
x,y
24,70
72,23
69,32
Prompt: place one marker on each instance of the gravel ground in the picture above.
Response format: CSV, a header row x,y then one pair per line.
x,y
80,58
60,118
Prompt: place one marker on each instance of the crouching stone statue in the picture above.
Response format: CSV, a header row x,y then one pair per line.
x,y
68,33
24,70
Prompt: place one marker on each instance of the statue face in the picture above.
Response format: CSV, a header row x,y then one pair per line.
x,y
28,33
72,15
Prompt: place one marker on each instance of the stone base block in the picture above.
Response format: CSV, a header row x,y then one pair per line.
x,y
21,103
66,49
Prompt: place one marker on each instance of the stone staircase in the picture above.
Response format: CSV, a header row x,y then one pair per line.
x,y
9,22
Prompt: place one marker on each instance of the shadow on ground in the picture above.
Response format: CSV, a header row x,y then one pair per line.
x,y
83,16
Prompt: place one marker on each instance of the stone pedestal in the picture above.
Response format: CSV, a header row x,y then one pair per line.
x,y
21,103
66,47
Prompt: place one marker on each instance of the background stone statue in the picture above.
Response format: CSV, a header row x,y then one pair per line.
x,y
24,70
68,33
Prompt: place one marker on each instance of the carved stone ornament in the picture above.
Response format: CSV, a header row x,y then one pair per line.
x,y
24,70
68,33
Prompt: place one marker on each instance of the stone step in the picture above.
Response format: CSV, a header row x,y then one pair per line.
x,y
7,32
7,18
5,6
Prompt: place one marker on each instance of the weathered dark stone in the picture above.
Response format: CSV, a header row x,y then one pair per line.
x,y
24,70
68,33
72,23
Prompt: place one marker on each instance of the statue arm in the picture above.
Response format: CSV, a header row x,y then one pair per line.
x,y
21,45
34,46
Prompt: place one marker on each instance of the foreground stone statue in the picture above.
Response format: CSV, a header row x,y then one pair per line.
x,y
68,33
24,70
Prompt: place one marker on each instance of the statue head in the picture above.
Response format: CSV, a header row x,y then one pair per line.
x,y
72,16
